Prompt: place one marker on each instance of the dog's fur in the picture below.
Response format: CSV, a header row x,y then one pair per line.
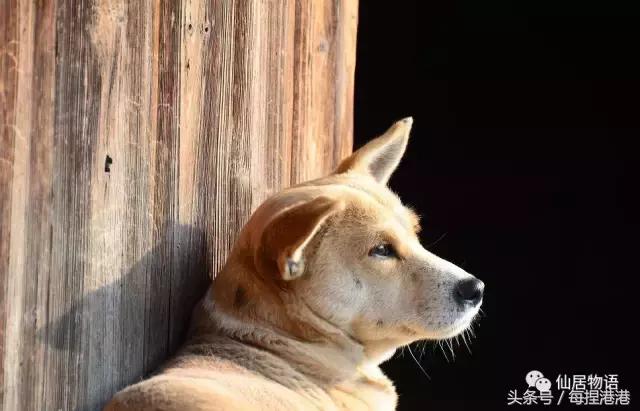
x,y
303,312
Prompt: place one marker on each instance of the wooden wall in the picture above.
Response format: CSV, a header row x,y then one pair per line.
x,y
136,137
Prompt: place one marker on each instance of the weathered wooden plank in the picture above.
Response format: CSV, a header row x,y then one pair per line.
x,y
122,39
137,137
76,139
30,220
8,92
164,180
324,32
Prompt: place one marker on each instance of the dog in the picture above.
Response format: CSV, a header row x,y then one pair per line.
x,y
325,282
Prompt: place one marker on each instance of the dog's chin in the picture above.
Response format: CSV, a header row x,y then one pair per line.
x,y
455,328
450,331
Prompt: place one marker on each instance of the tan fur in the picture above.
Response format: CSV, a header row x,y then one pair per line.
x,y
302,313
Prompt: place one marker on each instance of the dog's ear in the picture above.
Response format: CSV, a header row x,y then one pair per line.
x,y
282,243
380,157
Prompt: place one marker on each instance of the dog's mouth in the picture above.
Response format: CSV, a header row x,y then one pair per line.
x,y
452,326
455,329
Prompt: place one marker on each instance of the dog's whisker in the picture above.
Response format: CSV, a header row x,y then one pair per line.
x,y
443,352
420,354
418,363
450,345
465,341
436,241
424,347
448,348
472,331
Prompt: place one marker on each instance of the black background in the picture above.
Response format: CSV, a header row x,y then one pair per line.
x,y
525,114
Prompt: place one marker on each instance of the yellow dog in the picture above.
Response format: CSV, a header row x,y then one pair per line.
x,y
325,282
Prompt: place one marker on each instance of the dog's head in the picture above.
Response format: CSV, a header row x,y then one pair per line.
x,y
346,247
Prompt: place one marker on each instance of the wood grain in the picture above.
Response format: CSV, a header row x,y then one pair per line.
x,y
203,109
8,91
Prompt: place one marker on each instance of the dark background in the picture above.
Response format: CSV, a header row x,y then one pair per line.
x,y
521,156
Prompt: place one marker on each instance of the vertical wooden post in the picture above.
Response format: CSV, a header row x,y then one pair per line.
x,y
136,137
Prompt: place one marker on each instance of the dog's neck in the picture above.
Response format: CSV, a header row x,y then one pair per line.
x,y
242,307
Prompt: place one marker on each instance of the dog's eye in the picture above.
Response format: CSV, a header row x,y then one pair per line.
x,y
384,250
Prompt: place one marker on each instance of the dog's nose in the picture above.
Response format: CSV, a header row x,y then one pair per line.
x,y
469,291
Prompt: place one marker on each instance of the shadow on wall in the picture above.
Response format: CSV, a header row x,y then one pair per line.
x,y
121,332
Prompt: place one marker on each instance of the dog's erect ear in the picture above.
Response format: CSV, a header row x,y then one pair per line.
x,y
285,236
380,157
